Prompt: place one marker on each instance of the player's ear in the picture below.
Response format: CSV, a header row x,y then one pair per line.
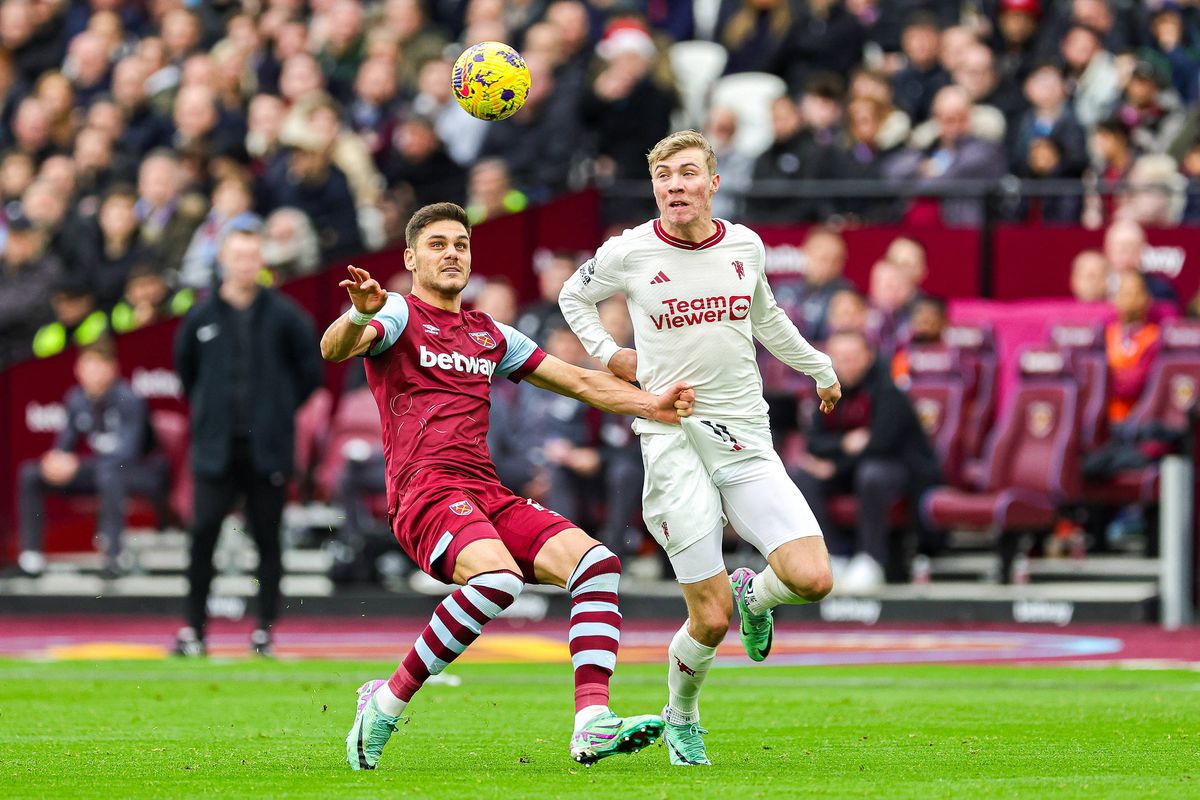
x,y
716,182
410,260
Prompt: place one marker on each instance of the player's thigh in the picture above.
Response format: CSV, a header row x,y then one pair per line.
x,y
680,503
480,556
764,505
557,559
526,527
700,560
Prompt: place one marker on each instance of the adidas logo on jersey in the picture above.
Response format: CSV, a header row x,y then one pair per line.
x,y
681,313
456,362
661,277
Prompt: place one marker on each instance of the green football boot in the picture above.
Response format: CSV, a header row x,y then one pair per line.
x,y
607,735
371,730
756,630
685,743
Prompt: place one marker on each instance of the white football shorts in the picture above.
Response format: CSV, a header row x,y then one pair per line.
x,y
707,473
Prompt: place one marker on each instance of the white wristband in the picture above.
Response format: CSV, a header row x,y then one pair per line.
x,y
359,318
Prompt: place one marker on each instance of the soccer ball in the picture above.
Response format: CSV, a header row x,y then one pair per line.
x,y
490,81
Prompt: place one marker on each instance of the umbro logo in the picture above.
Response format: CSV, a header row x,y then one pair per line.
x,y
661,277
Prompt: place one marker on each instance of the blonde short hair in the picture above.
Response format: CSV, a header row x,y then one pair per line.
x,y
683,140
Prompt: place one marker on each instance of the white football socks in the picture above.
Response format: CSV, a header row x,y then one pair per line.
x,y
586,714
688,663
766,591
387,702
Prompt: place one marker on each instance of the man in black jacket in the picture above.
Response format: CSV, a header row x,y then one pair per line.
x,y
106,449
247,359
873,445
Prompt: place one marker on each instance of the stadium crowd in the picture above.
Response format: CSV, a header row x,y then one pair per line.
x,y
134,136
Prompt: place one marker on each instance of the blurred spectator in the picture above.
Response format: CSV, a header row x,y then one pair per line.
x,y
77,320
1155,194
97,167
1049,120
1151,109
995,101
299,78
860,155
922,76
807,301
956,155
926,326
1190,168
737,168
418,167
145,130
461,134
343,50
46,207
891,295
1092,78
27,277
625,108
167,214
57,97
30,131
792,156
1174,50
87,67
199,127
147,300
308,180
17,171
1018,37
553,270
118,246
1112,161
1131,342
759,35
264,125
372,110
909,255
290,247
875,86
848,311
538,142
490,192
1124,246
247,360
416,36
871,445
37,45
827,38
1193,308
105,448
231,210
1090,277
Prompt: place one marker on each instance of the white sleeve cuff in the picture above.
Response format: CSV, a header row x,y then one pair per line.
x,y
608,349
825,378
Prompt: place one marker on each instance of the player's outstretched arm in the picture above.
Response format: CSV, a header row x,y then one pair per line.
x,y
607,392
346,338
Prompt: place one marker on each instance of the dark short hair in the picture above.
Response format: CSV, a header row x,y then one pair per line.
x,y
932,300
105,347
436,212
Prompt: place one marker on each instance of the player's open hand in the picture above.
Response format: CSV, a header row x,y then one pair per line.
x,y
674,403
829,397
365,292
623,364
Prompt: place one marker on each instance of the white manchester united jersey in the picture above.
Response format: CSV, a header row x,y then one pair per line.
x,y
696,310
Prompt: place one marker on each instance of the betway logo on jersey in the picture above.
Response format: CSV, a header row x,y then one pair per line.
x,y
456,362
697,311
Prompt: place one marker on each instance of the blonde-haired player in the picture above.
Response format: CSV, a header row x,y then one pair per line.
x,y
698,296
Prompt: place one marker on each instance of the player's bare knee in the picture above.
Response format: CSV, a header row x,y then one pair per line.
x,y
811,583
710,623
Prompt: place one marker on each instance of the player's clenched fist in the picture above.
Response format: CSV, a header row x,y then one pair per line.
x,y
365,292
829,397
676,402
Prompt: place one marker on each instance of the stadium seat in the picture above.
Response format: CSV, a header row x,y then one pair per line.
x,y
697,65
1032,460
1171,394
750,95
171,432
977,353
1085,345
312,426
355,420
939,406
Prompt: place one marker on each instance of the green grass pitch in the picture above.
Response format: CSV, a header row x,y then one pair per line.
x,y
272,730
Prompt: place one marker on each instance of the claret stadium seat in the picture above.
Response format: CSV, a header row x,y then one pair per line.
x,y
936,391
356,419
312,427
977,352
1085,345
1031,461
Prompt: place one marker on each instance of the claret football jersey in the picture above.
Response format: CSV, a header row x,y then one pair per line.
x,y
431,372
